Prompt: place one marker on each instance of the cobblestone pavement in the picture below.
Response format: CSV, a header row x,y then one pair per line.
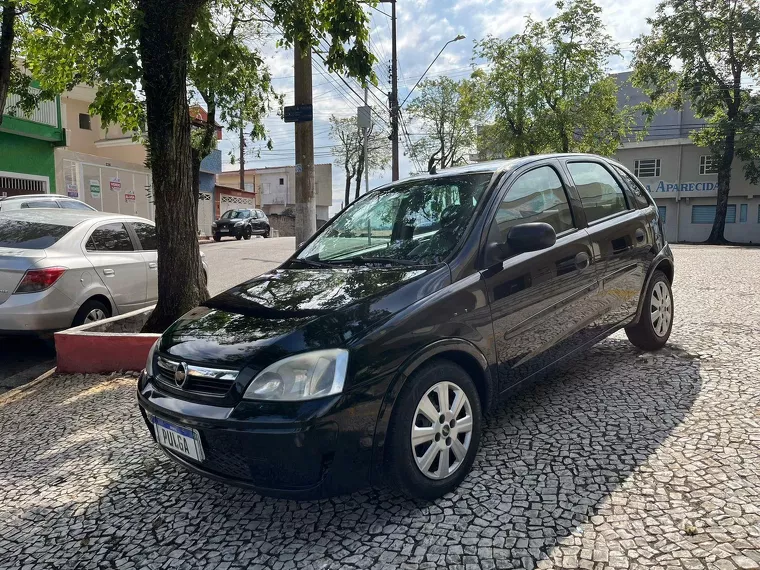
x,y
623,460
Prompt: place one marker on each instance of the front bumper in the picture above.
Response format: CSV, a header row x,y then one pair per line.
x,y
231,232
297,450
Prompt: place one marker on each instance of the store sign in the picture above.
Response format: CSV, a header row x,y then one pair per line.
x,y
663,186
115,184
72,191
95,188
129,197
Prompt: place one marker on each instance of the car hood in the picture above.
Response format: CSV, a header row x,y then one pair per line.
x,y
229,222
293,310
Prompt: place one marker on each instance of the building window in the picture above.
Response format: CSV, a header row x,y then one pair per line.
x,y
84,122
662,211
707,165
282,182
706,214
743,214
646,168
248,186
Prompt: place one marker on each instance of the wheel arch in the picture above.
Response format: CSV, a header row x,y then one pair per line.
x,y
458,351
663,262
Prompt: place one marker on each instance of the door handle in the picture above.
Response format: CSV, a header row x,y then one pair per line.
x,y
108,272
152,264
640,235
582,260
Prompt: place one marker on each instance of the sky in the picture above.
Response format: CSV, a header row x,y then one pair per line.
x,y
424,26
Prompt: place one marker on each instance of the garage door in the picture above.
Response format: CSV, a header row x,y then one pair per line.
x,y
233,202
205,213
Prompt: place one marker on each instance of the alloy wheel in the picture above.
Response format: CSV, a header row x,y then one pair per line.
x,y
661,309
95,315
441,430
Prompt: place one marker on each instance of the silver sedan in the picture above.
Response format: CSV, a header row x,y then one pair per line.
x,y
63,268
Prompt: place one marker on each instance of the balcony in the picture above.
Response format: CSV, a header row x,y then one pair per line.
x,y
43,123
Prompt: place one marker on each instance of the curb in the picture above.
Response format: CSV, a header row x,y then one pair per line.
x,y
28,386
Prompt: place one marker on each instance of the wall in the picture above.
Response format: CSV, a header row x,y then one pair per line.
x,y
286,225
275,198
231,178
80,140
28,156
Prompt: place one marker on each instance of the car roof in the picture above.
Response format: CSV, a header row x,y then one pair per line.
x,y
37,197
65,217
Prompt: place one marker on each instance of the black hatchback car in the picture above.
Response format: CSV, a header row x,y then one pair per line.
x,y
241,224
374,351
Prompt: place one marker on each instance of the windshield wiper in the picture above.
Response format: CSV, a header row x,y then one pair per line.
x,y
311,262
360,259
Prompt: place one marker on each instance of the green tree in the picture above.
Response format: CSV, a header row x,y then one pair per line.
x,y
349,150
549,87
704,51
137,53
445,111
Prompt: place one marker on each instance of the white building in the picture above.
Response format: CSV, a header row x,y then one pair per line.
x,y
277,189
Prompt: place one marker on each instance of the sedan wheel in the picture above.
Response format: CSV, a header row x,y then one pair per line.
x,y
661,308
656,320
95,315
441,430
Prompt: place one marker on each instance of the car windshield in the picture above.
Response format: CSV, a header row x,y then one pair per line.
x,y
30,235
234,214
416,222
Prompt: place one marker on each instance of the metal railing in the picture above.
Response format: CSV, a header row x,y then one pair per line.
x,y
46,112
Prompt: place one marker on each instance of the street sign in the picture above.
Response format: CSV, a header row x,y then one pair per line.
x,y
299,113
364,117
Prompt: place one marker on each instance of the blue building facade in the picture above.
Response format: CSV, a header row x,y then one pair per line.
x,y
210,167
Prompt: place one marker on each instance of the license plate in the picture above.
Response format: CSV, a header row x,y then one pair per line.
x,y
223,231
184,441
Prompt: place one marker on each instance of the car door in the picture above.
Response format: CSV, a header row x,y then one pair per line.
x,y
147,243
539,300
621,237
119,265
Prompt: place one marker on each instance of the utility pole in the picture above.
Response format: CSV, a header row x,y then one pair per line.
x,y
242,156
366,145
394,96
306,208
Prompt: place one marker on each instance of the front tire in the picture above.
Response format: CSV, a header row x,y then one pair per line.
x,y
656,321
435,431
217,238
247,234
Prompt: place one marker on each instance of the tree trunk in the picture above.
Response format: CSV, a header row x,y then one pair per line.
x,y
724,185
348,188
164,39
7,34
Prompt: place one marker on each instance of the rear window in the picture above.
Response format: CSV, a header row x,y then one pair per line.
x,y
30,235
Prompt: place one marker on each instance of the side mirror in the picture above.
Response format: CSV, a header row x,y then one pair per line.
x,y
531,236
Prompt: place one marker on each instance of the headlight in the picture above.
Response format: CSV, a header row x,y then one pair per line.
x,y
301,377
238,224
213,224
149,364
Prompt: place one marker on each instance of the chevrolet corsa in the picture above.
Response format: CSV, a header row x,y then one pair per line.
x,y
372,353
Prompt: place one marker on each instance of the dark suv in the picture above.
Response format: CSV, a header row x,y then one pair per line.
x,y
373,352
241,224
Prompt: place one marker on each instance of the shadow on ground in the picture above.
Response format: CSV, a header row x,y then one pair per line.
x,y
83,485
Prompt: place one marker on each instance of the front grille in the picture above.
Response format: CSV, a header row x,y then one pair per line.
x,y
199,379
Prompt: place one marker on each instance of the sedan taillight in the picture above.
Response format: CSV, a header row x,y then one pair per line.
x,y
36,280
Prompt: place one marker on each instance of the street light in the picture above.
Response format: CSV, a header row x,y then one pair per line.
x,y
456,39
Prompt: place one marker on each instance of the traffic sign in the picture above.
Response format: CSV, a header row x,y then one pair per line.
x,y
299,113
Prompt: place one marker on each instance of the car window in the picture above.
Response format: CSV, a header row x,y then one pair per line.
x,y
537,196
30,235
110,237
418,221
601,195
40,204
73,205
146,233
633,188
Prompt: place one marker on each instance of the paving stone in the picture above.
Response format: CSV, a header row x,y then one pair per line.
x,y
621,459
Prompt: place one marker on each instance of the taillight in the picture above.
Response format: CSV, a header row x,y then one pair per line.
x,y
36,280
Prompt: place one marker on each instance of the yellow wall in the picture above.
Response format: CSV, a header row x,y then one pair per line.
x,y
80,140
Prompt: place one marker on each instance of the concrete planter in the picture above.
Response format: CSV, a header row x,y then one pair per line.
x,y
106,346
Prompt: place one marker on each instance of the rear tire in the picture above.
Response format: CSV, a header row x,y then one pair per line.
x,y
91,311
446,449
656,321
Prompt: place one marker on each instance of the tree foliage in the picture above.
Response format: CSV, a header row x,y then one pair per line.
x,y
446,112
141,56
349,150
707,52
548,87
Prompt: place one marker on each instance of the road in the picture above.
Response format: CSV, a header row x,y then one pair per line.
x,y
230,262
620,460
